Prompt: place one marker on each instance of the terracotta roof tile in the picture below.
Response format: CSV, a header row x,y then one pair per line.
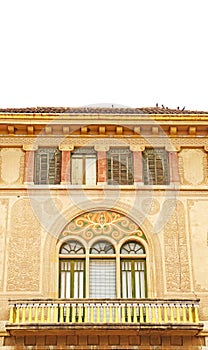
x,y
98,110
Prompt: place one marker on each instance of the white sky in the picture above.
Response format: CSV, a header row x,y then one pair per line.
x,y
134,53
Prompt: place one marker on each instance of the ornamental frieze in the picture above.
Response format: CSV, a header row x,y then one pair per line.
x,y
108,223
172,144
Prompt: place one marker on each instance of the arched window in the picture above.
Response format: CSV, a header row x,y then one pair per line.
x,y
102,271
133,270
72,270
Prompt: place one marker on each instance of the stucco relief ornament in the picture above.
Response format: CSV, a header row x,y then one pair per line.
x,y
102,223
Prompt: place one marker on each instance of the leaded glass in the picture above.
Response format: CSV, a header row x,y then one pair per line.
x,y
132,247
102,247
72,247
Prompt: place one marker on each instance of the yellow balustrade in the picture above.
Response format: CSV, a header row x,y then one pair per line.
x,y
42,314
30,309
67,313
84,311
171,314
55,314
36,314
196,314
92,314
123,314
153,313
147,314
98,314
12,314
104,314
190,313
17,315
73,313
184,313
159,314
165,313
134,314
79,313
116,314
178,318
61,317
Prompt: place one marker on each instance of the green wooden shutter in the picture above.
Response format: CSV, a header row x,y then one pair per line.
x,y
133,283
120,166
72,273
156,167
47,166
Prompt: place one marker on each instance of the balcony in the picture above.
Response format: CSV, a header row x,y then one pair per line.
x,y
113,313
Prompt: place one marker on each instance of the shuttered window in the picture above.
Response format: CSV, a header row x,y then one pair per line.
x,y
133,279
133,274
47,166
72,278
120,166
83,167
102,278
102,271
156,167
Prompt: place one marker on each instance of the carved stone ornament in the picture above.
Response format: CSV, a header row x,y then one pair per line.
x,y
135,148
64,147
101,148
30,147
177,264
172,148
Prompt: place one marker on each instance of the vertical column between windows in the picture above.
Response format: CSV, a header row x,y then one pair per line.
x,y
102,165
29,165
174,167
138,167
65,167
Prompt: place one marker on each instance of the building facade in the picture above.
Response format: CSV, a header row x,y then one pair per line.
x,y
104,231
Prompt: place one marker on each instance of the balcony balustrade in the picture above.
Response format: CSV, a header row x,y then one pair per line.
x,y
118,311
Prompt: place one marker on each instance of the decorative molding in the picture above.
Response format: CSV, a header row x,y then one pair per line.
x,y
193,167
101,148
101,130
177,264
108,223
23,273
172,148
173,144
135,148
64,147
30,147
4,205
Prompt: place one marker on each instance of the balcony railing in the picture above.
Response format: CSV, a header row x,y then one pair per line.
x,y
96,311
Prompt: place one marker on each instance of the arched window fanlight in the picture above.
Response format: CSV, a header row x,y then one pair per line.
x,y
72,248
102,247
132,247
